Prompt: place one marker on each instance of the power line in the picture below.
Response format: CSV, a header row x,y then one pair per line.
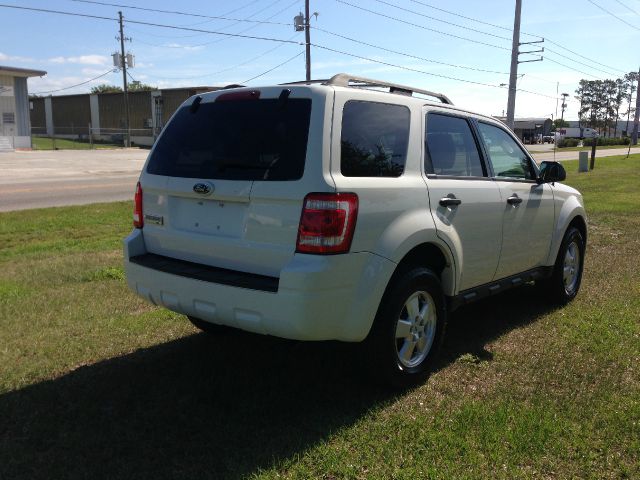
x,y
468,18
176,12
422,26
407,54
510,30
277,66
263,54
628,7
77,84
237,35
73,14
206,21
441,21
613,14
570,68
257,25
578,62
151,24
582,56
222,39
483,43
422,71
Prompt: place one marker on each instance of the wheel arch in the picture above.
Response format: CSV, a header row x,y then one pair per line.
x,y
432,256
580,223
572,214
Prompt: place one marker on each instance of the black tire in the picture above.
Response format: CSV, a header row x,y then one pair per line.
x,y
210,328
387,345
557,288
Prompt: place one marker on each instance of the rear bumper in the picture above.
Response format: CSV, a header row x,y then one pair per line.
x,y
317,297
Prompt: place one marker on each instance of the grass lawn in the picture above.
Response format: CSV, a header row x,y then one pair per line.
x,y
96,383
47,143
599,147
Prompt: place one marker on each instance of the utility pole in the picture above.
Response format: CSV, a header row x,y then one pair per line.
x,y
515,53
564,105
513,77
557,90
127,141
636,117
307,37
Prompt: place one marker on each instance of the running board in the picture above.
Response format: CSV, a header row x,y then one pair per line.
x,y
492,288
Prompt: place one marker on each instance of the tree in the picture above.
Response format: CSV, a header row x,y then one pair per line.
x,y
136,86
105,88
630,78
560,123
601,102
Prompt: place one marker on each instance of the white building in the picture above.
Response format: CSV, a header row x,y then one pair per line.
x,y
15,127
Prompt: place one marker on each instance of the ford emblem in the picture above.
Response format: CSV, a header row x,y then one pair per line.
x,y
203,188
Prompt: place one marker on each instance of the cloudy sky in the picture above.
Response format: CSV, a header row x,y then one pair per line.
x,y
459,47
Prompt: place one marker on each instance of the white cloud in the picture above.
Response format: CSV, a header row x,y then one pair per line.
x,y
184,47
15,58
83,60
46,84
92,72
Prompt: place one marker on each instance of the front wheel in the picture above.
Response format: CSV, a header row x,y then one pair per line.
x,y
564,283
408,329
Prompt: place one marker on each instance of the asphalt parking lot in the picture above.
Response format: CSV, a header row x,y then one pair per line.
x,y
34,179
37,179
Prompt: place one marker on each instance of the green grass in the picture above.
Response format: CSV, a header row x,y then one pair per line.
x,y
96,383
588,149
48,143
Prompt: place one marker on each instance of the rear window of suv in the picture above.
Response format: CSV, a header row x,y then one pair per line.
x,y
235,140
374,139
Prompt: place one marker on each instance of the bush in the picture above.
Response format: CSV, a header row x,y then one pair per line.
x,y
600,141
568,142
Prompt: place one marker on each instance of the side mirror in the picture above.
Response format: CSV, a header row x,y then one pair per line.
x,y
551,172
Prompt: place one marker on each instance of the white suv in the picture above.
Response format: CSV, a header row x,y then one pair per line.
x,y
349,209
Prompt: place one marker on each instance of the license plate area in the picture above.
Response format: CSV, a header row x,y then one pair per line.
x,y
210,217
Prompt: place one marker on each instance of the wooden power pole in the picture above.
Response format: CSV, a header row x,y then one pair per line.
x,y
127,141
307,37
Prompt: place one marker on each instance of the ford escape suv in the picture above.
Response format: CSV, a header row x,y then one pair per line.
x,y
347,209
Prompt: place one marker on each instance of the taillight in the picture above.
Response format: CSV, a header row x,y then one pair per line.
x,y
138,220
327,223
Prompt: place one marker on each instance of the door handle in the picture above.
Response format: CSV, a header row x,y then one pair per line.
x,y
450,201
514,200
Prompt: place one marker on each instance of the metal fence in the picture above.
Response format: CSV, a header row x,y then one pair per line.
x,y
84,138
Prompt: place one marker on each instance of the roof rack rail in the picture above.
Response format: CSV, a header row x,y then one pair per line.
x,y
306,82
346,80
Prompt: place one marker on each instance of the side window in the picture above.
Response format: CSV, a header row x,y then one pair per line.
x,y
451,148
374,140
507,158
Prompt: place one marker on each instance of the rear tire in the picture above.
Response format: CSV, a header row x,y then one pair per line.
x,y
408,329
564,283
210,328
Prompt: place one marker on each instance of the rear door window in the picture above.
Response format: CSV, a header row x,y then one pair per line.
x,y
451,148
235,140
374,141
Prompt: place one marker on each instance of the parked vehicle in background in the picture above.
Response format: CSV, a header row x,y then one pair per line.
x,y
577,132
349,209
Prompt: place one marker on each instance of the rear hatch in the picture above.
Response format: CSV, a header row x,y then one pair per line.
x,y
225,182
